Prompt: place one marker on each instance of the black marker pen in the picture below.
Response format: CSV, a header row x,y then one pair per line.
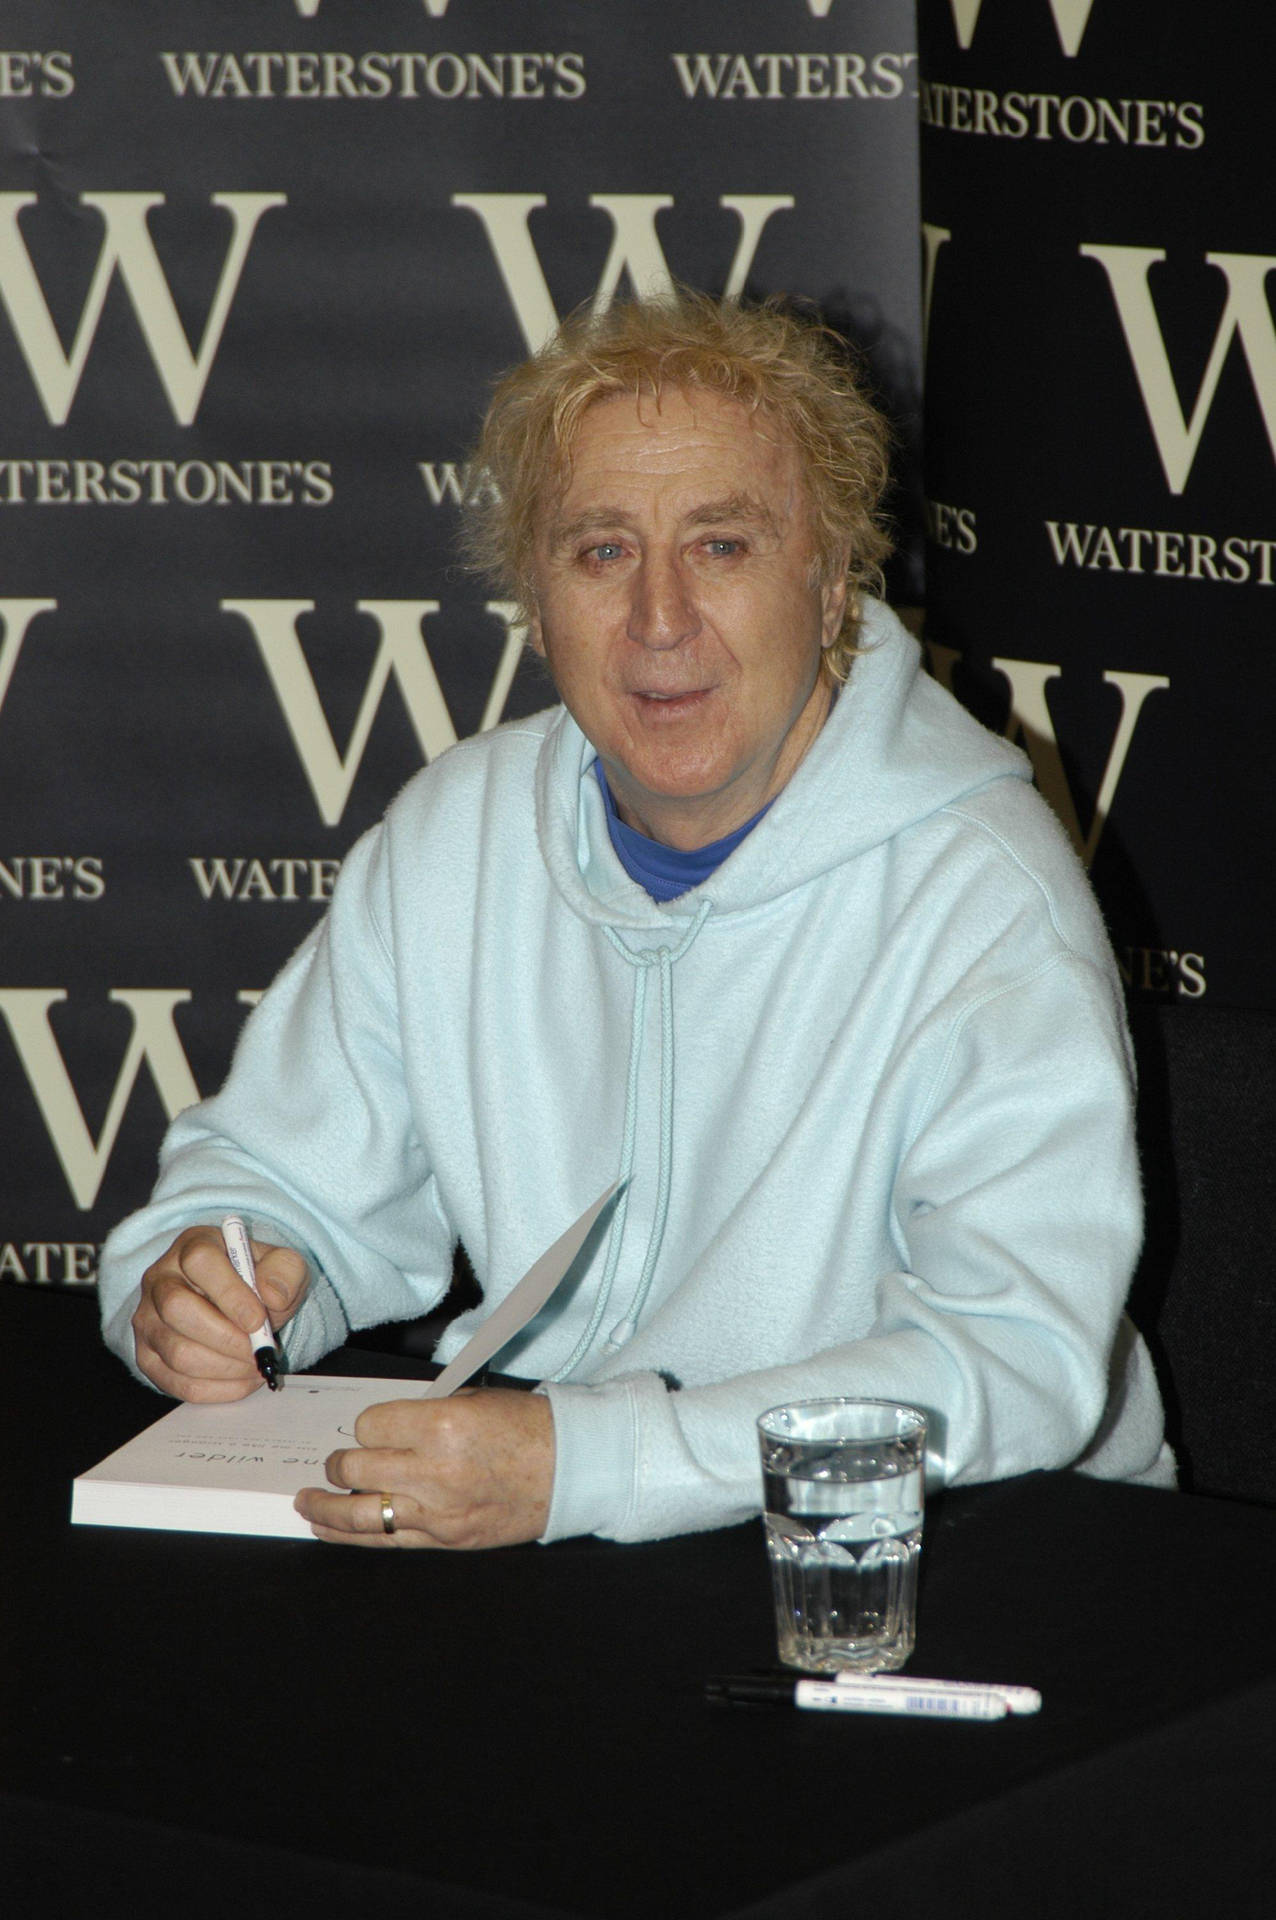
x,y
240,1255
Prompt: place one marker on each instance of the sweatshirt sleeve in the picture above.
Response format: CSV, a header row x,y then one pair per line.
x,y
1017,1216
311,1139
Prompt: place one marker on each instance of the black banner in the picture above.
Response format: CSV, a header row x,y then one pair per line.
x,y
259,262
1100,238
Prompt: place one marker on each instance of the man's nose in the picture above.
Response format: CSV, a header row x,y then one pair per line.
x,y
662,611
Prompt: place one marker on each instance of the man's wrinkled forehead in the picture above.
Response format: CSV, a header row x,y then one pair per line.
x,y
746,503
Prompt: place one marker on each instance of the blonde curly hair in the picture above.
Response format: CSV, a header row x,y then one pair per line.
x,y
794,371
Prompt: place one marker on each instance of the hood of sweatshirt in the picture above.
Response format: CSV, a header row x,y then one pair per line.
x,y
895,749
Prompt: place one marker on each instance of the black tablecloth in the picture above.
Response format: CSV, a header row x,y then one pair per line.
x,y
207,1725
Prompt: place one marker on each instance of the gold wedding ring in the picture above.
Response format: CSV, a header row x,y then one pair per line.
x,y
387,1513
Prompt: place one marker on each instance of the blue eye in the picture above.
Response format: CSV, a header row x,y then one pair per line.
x,y
723,546
606,550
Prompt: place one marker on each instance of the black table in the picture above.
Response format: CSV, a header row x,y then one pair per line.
x,y
209,1726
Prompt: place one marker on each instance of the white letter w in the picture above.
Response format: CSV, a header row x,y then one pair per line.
x,y
127,244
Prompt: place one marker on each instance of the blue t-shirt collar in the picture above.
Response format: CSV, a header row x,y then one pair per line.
x,y
666,872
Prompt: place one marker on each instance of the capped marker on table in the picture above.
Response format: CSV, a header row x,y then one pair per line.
x,y
240,1255
873,1693
1017,1699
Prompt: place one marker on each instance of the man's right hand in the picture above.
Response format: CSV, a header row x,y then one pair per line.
x,y
196,1318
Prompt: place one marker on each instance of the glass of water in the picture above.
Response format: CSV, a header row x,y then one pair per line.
x,y
842,1493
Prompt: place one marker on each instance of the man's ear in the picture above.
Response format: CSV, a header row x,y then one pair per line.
x,y
535,633
833,595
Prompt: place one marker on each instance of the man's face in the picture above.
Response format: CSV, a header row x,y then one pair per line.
x,y
679,611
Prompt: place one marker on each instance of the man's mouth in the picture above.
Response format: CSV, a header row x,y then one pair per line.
x,y
657,698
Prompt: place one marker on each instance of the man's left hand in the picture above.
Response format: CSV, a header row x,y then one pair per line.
x,y
475,1470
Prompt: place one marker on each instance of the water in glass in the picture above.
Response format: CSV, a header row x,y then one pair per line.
x,y
844,1538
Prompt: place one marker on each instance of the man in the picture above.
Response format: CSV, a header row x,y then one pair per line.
x,y
758,922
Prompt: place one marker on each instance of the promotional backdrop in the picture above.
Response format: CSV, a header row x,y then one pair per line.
x,y
1099,204
259,263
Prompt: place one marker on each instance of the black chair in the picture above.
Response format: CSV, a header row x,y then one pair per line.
x,y
1204,1295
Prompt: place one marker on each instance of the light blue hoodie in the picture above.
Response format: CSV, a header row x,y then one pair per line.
x,y
869,1087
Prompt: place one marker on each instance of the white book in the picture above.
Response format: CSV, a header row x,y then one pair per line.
x,y
235,1467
